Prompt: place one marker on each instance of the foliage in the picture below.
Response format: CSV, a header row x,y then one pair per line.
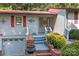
x,y
76,44
6,7
55,39
70,52
74,34
37,6
71,49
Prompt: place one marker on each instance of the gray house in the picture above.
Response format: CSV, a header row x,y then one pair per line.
x,y
15,25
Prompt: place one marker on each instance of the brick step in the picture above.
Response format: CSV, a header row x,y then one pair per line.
x,y
42,53
39,51
56,52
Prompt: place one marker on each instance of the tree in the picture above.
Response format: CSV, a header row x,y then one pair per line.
x,y
36,6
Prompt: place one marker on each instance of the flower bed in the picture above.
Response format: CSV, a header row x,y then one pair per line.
x,y
55,39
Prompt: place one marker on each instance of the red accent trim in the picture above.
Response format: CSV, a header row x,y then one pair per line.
x,y
25,12
12,21
24,21
75,17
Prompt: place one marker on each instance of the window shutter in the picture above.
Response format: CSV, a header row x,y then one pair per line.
x,y
75,17
12,21
24,21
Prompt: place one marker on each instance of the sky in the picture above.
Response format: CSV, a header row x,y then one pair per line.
x,y
39,1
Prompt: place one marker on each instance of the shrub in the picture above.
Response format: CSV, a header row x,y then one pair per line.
x,y
76,44
70,52
55,39
71,49
74,34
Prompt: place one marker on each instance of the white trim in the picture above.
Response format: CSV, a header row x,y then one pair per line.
x,y
15,20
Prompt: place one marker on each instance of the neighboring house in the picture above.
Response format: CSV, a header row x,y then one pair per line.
x,y
15,25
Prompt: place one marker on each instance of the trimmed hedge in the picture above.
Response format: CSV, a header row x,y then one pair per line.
x,y
71,49
55,39
74,34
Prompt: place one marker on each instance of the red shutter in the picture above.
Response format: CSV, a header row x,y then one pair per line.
x,y
12,21
24,21
76,18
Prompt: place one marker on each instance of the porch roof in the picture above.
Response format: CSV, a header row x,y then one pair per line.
x,y
25,12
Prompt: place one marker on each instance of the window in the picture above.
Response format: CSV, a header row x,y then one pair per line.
x,y
18,20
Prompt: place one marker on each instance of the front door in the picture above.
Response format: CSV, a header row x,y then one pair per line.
x,y
33,25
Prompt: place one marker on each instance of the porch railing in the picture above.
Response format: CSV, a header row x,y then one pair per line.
x,y
48,29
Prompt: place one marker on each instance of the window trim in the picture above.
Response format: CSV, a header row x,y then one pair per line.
x,y
16,20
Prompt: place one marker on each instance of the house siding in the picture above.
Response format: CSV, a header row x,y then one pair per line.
x,y
72,20
60,23
33,27
6,28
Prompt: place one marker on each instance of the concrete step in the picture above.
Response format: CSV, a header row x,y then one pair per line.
x,y
39,42
39,38
42,46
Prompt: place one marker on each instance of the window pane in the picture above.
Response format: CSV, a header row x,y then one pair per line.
x,y
18,20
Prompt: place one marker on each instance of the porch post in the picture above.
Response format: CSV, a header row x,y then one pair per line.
x,y
68,30
67,35
48,22
44,24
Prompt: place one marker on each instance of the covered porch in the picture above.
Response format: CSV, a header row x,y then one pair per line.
x,y
37,24
37,27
